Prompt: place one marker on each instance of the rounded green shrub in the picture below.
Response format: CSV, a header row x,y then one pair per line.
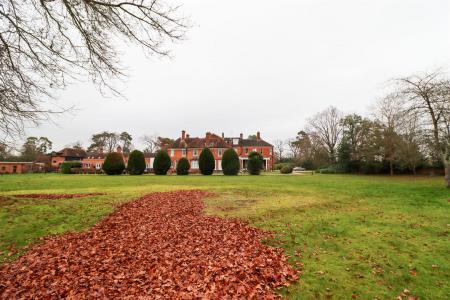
x,y
71,167
113,164
230,162
206,162
255,163
286,170
136,163
162,162
183,166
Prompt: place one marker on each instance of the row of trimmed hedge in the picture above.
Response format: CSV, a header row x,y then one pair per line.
x,y
114,164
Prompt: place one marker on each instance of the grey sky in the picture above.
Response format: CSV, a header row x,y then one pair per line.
x,y
263,65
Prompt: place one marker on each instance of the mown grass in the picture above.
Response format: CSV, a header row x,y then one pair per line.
x,y
367,236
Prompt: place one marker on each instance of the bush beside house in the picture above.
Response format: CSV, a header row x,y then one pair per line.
x,y
230,162
71,167
162,162
286,170
183,166
114,164
136,163
255,163
206,162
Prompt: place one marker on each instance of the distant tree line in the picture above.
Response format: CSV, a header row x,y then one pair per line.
x,y
408,129
103,142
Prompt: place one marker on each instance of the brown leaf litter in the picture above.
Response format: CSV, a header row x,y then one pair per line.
x,y
160,246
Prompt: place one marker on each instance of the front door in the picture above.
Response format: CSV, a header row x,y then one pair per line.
x,y
14,169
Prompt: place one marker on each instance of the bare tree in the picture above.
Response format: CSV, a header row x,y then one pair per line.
x,y
44,44
326,126
280,148
388,112
428,95
152,143
410,144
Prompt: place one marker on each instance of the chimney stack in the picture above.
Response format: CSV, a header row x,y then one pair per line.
x,y
187,135
241,136
258,136
223,135
183,134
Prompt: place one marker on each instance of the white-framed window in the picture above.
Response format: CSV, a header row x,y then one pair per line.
x,y
98,165
235,141
194,164
270,151
254,149
219,152
195,152
183,152
172,152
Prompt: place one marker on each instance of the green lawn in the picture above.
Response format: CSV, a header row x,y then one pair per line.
x,y
363,235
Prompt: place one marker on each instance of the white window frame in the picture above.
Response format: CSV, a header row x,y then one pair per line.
x,y
194,164
195,152
183,152
219,152
172,152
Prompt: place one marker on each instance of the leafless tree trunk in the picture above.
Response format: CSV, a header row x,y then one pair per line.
x,y
151,142
45,44
428,95
326,125
388,112
280,147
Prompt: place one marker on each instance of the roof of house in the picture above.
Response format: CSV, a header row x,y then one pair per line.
x,y
248,142
211,141
71,152
251,142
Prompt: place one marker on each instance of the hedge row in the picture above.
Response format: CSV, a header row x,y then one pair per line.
x,y
115,165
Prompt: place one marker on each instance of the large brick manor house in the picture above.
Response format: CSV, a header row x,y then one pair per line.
x,y
183,146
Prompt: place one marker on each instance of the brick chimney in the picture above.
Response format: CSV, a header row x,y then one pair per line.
x,y
241,136
258,136
208,134
187,135
183,134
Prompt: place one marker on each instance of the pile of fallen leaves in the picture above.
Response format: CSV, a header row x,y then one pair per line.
x,y
56,196
158,246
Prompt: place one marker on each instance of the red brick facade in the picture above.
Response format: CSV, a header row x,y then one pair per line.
x,y
184,146
190,148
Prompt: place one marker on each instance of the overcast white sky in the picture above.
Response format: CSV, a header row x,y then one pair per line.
x,y
263,65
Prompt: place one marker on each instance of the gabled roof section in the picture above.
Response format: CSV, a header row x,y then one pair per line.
x,y
71,152
211,141
255,143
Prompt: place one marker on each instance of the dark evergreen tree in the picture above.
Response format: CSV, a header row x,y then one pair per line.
x,y
162,163
183,166
114,164
255,163
206,162
230,162
136,163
